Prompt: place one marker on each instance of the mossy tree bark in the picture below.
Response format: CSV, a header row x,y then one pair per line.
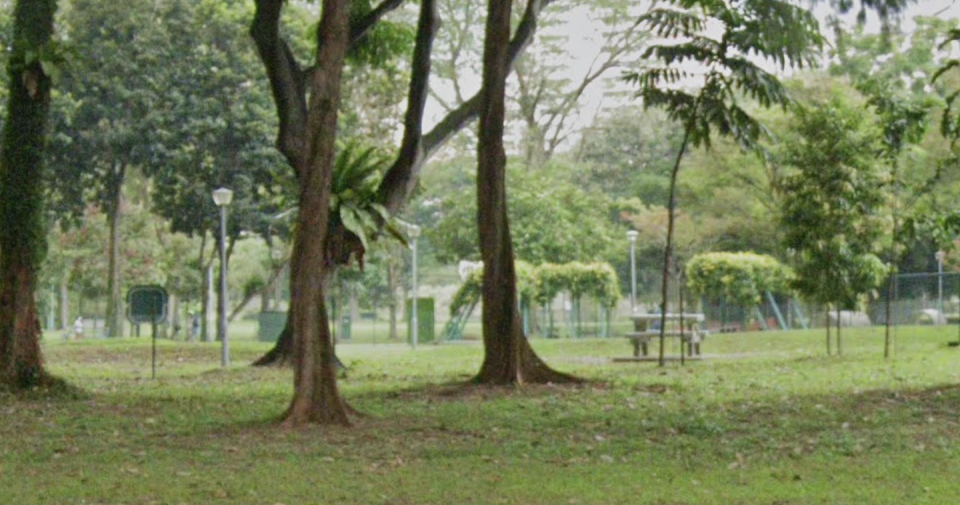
x,y
22,234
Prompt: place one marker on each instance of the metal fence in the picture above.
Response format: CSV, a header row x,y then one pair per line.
x,y
914,298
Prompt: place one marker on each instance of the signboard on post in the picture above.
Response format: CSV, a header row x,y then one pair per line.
x,y
148,304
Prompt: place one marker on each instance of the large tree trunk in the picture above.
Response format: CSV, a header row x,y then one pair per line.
x,y
22,234
114,317
289,93
315,397
508,357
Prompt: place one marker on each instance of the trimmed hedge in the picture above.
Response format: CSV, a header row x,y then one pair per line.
x,y
740,278
542,284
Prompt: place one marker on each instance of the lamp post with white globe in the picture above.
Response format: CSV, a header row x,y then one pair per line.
x,y
940,255
222,198
632,237
414,232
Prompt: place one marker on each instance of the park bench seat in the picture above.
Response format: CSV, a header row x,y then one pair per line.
x,y
690,338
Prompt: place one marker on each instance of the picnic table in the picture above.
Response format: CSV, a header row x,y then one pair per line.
x,y
685,326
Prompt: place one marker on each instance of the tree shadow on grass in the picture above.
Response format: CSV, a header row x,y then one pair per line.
x,y
48,389
467,390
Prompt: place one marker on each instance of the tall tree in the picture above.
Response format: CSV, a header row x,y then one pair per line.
x,y
289,92
116,106
548,215
773,29
628,152
316,397
288,81
307,138
548,101
207,120
508,357
22,232
903,122
830,200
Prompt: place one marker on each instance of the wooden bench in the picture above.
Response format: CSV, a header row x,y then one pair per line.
x,y
690,335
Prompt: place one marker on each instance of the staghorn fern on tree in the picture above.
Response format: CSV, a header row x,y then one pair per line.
x,y
357,173
356,177
699,78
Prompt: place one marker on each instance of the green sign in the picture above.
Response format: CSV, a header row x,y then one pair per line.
x,y
146,304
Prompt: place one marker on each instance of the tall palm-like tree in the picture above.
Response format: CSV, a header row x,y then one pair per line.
x,y
707,63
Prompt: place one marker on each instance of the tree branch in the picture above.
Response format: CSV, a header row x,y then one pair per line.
x,y
361,27
401,178
467,112
617,45
286,81
274,277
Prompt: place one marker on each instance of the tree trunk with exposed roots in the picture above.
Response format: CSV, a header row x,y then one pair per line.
x,y
316,398
508,357
289,91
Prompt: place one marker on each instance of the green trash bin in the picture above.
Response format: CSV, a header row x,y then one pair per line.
x,y
270,325
425,320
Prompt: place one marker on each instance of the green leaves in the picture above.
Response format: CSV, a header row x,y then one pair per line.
x,y
831,195
52,57
356,176
553,219
950,121
737,277
767,29
543,283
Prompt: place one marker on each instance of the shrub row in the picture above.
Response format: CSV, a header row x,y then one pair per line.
x,y
541,284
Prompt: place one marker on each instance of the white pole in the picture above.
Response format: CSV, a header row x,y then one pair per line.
x,y
632,236
222,326
940,316
413,316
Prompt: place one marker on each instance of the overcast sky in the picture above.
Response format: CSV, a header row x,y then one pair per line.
x,y
584,42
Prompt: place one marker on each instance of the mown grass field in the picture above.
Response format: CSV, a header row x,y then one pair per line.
x,y
765,419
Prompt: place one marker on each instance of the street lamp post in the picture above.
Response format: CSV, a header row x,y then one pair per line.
x,y
414,232
940,256
632,237
222,198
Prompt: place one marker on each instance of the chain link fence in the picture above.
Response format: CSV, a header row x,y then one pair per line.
x,y
914,298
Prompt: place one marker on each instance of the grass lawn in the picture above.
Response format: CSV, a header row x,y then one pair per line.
x,y
765,419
